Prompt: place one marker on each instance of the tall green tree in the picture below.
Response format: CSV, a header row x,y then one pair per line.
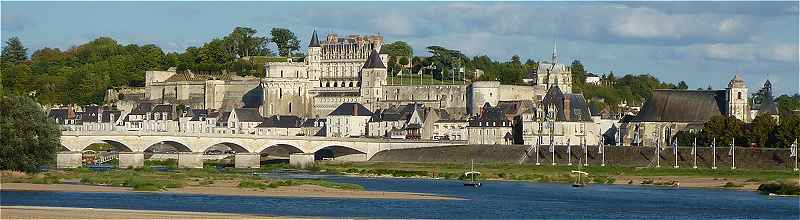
x,y
14,52
762,129
285,40
29,137
244,42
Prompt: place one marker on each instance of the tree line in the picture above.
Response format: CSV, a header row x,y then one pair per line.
x,y
82,74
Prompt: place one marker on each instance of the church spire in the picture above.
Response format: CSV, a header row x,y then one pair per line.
x,y
555,52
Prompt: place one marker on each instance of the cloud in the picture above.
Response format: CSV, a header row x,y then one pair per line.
x,y
747,52
16,23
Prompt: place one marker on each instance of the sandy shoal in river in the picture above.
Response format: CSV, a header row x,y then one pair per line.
x,y
37,212
286,191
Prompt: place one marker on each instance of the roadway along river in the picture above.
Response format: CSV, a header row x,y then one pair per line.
x,y
493,200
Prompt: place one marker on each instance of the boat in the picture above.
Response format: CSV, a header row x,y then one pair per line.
x,y
471,175
578,182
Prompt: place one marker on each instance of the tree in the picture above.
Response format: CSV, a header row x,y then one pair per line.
x,y
723,129
243,42
516,60
29,137
763,126
397,49
14,52
682,85
285,40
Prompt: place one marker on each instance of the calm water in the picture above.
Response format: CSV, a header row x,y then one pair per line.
x,y
493,200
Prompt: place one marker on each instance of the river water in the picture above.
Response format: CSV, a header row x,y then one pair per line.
x,y
496,199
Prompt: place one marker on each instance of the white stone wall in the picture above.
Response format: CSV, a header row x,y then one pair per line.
x,y
456,131
347,126
483,92
488,135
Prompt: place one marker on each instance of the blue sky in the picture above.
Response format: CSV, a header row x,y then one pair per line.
x,y
703,43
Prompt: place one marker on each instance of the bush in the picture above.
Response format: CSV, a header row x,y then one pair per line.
x,y
732,185
780,188
46,179
252,184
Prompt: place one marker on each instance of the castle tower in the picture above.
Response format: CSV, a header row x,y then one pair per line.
x,y
736,96
373,77
314,59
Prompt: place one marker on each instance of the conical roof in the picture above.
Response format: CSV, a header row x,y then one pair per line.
x,y
314,40
374,61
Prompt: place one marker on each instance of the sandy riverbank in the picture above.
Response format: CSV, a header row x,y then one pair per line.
x,y
286,191
37,212
691,182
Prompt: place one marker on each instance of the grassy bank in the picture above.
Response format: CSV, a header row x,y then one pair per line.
x,y
547,173
154,177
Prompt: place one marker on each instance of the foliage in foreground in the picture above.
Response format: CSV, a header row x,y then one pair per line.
x,y
28,138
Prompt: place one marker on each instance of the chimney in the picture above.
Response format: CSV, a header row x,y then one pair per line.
x,y
567,108
71,111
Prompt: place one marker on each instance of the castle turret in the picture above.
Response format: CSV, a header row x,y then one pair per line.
x,y
373,78
314,59
736,95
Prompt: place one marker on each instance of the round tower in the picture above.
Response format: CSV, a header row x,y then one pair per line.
x,y
482,92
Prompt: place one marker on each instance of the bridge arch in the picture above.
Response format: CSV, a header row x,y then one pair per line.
x,y
339,152
233,145
280,150
177,145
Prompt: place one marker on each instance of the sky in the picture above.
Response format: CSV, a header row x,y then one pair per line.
x,y
702,43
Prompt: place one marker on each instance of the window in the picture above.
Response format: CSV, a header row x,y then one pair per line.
x,y
290,107
739,95
280,93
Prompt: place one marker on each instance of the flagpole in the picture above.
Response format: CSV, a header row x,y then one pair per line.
x,y
585,153
658,154
675,151
603,151
694,153
795,154
714,154
569,153
538,144
733,153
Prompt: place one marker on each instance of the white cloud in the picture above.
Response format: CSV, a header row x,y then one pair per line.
x,y
729,25
394,23
786,53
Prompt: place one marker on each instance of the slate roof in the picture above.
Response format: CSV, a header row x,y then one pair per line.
x,y
311,122
248,115
277,121
374,61
314,40
490,117
396,113
578,107
197,114
224,117
352,109
142,108
668,105
163,108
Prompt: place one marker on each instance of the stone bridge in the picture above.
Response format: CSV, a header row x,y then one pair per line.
x,y
301,150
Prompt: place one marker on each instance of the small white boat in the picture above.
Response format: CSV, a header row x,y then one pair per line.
x,y
471,175
578,182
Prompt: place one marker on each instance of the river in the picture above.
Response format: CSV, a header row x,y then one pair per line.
x,y
496,199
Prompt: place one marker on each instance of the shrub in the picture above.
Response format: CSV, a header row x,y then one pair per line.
x,y
732,185
252,184
780,188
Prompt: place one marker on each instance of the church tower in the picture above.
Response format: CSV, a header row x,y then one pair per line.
x,y
373,78
736,95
